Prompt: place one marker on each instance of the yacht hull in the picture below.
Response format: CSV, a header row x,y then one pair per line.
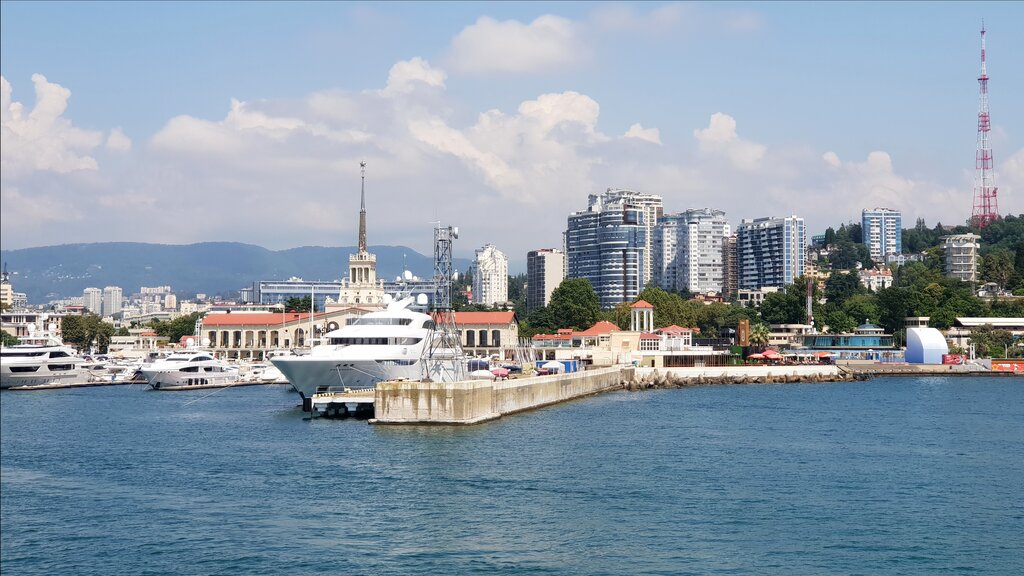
x,y
311,375
161,379
12,380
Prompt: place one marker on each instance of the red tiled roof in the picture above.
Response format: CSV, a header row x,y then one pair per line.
x,y
479,318
673,329
602,327
255,318
642,304
649,336
148,334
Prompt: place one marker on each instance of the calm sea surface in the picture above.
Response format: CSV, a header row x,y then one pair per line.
x,y
889,476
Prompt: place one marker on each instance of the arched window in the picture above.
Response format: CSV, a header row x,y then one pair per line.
x,y
483,338
495,337
470,339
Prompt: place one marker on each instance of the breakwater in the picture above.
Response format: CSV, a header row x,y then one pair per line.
x,y
644,378
474,401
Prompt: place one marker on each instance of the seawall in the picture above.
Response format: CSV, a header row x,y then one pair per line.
x,y
755,374
474,401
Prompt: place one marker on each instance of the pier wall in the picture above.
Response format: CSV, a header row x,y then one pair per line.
x,y
473,401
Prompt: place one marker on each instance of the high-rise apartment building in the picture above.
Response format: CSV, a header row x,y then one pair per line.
x,y
665,259
882,230
730,270
112,297
608,244
490,276
545,270
962,256
92,299
688,251
770,252
651,205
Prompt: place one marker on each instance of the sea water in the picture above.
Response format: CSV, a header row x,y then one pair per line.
x,y
888,476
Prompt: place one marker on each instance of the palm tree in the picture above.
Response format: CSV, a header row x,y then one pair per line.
x,y
759,335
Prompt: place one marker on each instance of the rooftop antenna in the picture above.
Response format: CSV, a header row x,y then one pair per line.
x,y
986,203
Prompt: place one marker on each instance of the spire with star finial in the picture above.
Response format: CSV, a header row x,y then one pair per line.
x,y
362,210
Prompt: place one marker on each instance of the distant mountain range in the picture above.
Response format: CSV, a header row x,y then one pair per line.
x,y
54,272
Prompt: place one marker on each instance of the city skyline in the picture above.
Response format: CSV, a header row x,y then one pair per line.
x,y
500,119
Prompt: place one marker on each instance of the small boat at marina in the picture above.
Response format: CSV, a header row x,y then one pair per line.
x,y
190,369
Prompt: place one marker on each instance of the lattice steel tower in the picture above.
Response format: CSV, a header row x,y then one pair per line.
x,y
986,204
443,360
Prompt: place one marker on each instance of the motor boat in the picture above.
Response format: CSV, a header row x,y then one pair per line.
x,y
189,368
41,360
378,346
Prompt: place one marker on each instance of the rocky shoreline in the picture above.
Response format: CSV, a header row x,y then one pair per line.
x,y
658,380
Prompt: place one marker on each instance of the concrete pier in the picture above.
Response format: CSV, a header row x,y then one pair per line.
x,y
474,401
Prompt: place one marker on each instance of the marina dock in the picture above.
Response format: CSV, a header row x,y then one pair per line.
x,y
351,403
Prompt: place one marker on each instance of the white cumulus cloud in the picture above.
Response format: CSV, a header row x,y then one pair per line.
x,y
488,45
405,75
720,139
43,140
117,140
639,132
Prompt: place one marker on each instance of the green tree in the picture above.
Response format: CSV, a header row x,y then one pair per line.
x,y
8,339
839,287
540,321
85,332
670,308
574,304
839,322
845,256
830,236
72,330
122,331
997,267
760,335
862,308
517,293
298,304
990,342
179,327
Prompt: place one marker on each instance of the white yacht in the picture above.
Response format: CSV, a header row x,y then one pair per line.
x,y
39,361
190,368
384,345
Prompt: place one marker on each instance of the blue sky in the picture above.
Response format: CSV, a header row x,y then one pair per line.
x,y
497,117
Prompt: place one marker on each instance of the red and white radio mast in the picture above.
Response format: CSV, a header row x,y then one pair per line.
x,y
986,204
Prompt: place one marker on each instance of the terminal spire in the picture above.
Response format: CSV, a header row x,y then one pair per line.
x,y
362,210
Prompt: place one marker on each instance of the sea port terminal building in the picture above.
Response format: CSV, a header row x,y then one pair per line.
x,y
253,335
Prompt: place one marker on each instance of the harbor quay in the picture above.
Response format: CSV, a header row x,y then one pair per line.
x,y
475,401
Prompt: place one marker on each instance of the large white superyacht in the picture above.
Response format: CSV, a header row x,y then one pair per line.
x,y
39,361
384,345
